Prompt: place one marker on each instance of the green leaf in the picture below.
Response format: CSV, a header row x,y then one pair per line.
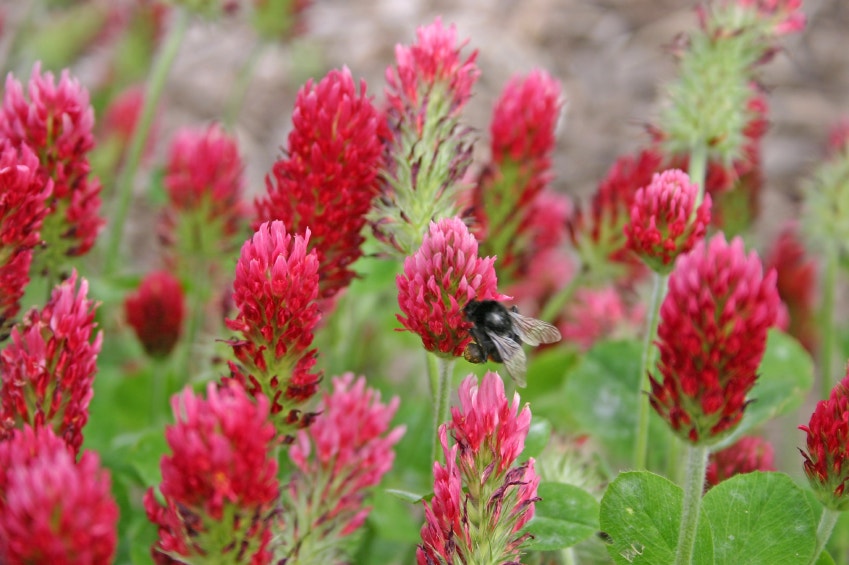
x,y
641,516
760,518
824,559
410,497
564,516
538,436
785,376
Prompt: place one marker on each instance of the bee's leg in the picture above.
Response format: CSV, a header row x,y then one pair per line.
x,y
474,353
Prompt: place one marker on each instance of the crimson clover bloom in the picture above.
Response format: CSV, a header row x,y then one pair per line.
x,y
23,195
429,151
56,122
665,221
156,311
219,483
521,142
339,459
48,367
438,281
827,455
53,509
712,336
748,454
275,292
481,525
329,178
797,284
205,210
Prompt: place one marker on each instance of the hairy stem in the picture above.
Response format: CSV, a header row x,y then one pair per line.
x,y
827,521
694,484
641,444
440,410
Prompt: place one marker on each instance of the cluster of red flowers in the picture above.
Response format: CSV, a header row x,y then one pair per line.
x,y
749,454
329,178
155,311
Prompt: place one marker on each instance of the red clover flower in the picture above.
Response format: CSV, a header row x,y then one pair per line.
x,y
275,292
827,455
53,509
748,454
665,221
339,459
329,177
712,335
156,311
48,367
438,281
219,483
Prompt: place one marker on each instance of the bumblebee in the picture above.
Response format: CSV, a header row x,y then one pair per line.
x,y
498,332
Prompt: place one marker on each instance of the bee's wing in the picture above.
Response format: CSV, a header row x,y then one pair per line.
x,y
513,356
533,331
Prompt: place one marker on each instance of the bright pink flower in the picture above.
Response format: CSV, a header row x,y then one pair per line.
x,y
48,368
56,122
23,195
431,71
438,281
155,312
598,313
797,284
340,458
328,179
827,456
483,523
665,221
712,336
748,454
53,510
220,481
203,178
275,292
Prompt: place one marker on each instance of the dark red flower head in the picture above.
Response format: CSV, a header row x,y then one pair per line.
x,y
54,509
438,281
827,456
220,480
48,368
328,179
155,312
712,336
55,121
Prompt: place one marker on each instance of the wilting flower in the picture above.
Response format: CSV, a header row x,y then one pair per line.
x,y
827,456
220,481
712,335
481,524
750,453
429,151
438,281
53,509
665,221
55,121
521,141
339,459
797,284
204,181
598,234
275,292
328,179
48,367
23,195
155,312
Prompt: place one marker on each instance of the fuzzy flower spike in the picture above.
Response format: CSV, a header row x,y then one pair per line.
x,y
665,221
438,281
429,151
712,336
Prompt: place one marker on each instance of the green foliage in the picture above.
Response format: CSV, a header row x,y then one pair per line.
x,y
564,515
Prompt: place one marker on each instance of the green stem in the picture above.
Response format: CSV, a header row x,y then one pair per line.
x,y
694,485
698,169
827,521
829,285
556,303
440,411
240,87
156,84
641,446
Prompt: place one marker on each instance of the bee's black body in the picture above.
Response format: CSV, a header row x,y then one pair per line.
x,y
488,316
